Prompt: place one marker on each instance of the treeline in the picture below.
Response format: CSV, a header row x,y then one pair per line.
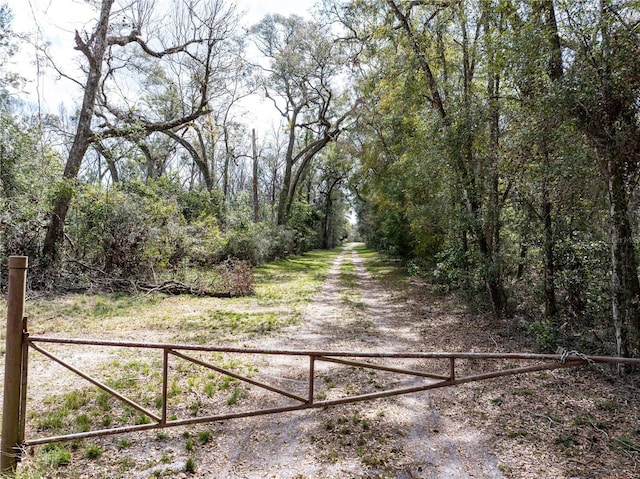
x,y
160,171
500,155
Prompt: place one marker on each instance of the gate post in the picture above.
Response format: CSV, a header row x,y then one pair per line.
x,y
13,364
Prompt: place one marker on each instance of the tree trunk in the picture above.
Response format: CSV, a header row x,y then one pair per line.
x,y
550,305
286,180
625,288
492,221
94,50
256,209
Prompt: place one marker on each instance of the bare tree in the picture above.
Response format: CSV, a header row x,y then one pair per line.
x,y
128,44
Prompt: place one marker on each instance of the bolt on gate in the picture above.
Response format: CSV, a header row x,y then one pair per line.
x,y
19,342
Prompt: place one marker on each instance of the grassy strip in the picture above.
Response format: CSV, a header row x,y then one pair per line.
x,y
283,288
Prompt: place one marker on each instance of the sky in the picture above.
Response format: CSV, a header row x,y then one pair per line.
x,y
55,21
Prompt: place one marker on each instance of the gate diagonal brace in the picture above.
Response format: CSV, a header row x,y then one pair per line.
x,y
99,384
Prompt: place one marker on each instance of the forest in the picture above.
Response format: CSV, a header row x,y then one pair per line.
x,y
492,146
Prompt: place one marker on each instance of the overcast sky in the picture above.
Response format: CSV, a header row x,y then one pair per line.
x,y
55,21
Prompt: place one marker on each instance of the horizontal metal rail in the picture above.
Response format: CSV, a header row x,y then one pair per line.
x,y
550,361
336,354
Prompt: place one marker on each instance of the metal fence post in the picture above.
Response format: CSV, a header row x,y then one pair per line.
x,y
13,364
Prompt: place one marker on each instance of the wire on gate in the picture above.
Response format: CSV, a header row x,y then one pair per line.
x,y
566,354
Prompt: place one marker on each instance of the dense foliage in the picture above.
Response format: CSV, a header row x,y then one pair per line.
x,y
499,156
491,144
150,186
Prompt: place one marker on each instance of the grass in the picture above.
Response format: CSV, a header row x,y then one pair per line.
x,y
190,466
55,455
93,451
386,270
283,288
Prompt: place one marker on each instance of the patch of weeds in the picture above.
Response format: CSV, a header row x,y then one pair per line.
x,y
174,389
106,420
83,422
190,444
237,395
513,433
629,445
609,405
55,455
190,465
545,334
142,419
124,443
523,392
103,398
75,400
348,278
252,322
293,280
204,437
52,420
333,456
497,401
93,451
192,381
328,380
565,440
209,388
227,382
386,270
166,457
126,464
581,420
375,461
194,407
162,436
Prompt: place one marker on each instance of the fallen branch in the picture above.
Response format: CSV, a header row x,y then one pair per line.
x,y
176,288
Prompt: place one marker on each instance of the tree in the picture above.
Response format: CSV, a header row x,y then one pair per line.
x,y
123,41
602,88
451,64
303,67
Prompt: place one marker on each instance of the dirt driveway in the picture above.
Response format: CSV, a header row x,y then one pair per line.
x,y
403,437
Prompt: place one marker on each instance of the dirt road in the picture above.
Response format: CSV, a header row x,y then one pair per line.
x,y
402,437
